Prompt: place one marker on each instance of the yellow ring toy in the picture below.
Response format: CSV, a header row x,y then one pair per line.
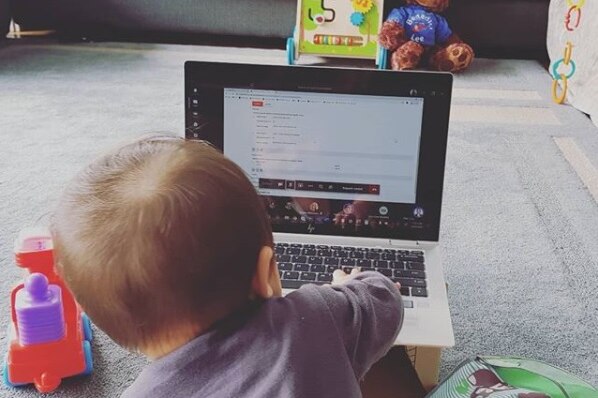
x,y
579,4
568,50
559,99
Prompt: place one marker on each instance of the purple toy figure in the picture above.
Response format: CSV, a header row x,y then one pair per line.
x,y
39,311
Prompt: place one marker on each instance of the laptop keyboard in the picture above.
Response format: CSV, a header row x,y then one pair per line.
x,y
299,264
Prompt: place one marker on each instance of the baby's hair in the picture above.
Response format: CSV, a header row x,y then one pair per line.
x,y
158,234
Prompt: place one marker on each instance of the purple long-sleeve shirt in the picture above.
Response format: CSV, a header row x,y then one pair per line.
x,y
318,341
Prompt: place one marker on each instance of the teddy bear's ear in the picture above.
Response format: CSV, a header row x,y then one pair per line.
x,y
433,5
442,5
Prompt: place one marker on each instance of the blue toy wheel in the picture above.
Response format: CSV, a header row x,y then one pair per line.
x,y
382,58
87,332
88,358
5,379
291,51
5,375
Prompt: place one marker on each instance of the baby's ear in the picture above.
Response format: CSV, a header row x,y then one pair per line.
x,y
260,285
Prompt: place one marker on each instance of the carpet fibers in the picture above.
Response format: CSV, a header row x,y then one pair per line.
x,y
519,225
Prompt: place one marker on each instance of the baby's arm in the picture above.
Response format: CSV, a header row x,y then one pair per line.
x,y
368,314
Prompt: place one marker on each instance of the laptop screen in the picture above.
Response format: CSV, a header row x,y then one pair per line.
x,y
332,162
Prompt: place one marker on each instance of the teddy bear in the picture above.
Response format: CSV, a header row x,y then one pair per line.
x,y
416,32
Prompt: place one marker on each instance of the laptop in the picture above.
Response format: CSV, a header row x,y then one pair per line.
x,y
350,165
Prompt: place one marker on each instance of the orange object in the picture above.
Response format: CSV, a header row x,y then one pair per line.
x,y
556,97
567,54
46,364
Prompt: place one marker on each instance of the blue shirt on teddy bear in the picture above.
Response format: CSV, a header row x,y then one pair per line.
x,y
421,25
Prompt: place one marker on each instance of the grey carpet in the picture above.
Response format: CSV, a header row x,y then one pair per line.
x,y
519,229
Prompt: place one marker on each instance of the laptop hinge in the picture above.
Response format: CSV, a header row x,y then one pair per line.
x,y
400,242
411,243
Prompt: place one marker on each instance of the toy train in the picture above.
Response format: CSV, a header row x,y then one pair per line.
x,y
49,338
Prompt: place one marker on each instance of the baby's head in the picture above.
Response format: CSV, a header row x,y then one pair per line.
x,y
159,239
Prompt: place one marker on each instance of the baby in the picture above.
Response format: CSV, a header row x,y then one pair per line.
x,y
167,247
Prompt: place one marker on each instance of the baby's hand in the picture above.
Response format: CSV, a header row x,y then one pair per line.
x,y
339,276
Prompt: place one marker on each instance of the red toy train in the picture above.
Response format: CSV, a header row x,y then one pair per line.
x,y
49,337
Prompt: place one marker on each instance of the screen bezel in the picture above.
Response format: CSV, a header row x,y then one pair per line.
x,y
434,87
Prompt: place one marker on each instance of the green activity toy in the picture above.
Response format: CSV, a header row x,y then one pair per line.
x,y
338,28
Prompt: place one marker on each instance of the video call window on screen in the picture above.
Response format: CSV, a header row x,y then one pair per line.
x,y
310,156
365,149
317,144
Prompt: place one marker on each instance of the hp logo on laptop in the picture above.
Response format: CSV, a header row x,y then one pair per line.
x,y
311,229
